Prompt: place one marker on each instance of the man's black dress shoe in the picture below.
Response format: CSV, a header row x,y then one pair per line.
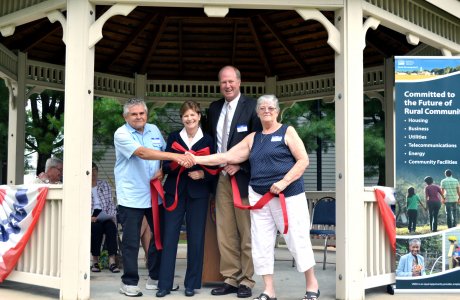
x,y
189,292
244,291
162,293
224,290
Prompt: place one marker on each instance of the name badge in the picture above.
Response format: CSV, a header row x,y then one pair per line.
x,y
241,128
276,138
156,142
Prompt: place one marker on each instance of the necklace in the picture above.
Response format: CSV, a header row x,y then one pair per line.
x,y
263,136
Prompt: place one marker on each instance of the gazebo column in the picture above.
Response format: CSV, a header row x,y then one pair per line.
x,y
140,81
78,131
16,124
389,123
270,85
349,132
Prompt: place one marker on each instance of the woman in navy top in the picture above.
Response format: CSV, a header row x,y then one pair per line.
x,y
278,160
188,190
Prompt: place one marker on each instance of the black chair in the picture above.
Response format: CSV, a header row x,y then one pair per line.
x,y
323,222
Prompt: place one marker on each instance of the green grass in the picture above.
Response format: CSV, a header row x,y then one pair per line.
x,y
422,229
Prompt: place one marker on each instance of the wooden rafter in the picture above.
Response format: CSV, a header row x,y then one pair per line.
x,y
181,45
278,35
47,30
235,41
153,46
132,37
260,49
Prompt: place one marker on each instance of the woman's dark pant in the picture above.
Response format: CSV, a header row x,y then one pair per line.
x,y
194,210
433,209
98,229
412,214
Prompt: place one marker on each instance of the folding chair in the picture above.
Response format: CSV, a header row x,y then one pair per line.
x,y
323,222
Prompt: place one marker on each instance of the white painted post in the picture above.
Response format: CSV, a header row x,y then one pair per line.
x,y
16,124
349,131
78,134
389,123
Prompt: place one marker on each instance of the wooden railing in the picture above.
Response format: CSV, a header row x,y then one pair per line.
x,y
379,256
40,261
50,76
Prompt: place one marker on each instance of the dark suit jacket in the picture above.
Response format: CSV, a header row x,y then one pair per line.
x,y
245,121
194,188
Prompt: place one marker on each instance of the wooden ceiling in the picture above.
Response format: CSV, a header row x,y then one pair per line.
x,y
185,44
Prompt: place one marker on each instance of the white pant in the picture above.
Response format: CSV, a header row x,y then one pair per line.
x,y
265,222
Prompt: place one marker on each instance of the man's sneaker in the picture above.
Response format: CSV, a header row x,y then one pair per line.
x,y
130,290
151,284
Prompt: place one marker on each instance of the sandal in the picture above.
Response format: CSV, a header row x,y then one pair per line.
x,y
95,267
264,296
311,295
113,268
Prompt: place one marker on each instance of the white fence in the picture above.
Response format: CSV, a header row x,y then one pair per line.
x,y
40,262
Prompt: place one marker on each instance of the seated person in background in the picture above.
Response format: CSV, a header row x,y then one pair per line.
x,y
103,221
53,172
411,264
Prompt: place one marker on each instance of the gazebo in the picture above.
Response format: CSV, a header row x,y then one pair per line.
x,y
169,51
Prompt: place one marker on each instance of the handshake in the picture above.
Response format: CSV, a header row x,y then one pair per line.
x,y
186,160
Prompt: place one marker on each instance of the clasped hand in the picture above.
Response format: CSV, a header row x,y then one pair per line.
x,y
187,160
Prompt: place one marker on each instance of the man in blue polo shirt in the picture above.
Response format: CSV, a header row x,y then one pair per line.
x,y
138,149
451,190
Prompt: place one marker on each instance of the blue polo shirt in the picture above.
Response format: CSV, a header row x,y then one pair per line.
x,y
133,174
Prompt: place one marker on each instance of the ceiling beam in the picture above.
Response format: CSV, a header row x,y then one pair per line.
x,y
45,31
279,37
235,34
181,47
251,4
132,37
153,46
260,49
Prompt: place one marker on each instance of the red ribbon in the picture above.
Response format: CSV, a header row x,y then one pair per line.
x,y
261,203
155,189
174,165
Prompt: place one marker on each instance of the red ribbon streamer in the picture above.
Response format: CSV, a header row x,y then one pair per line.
x,y
174,165
155,189
388,218
261,203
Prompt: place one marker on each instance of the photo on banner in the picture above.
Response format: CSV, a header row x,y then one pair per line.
x,y
427,168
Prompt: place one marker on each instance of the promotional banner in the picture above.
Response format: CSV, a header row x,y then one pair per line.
x,y
427,156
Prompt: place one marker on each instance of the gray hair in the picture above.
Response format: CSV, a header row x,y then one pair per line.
x,y
52,162
268,98
415,241
133,102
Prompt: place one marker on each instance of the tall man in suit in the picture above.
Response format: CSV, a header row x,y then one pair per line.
x,y
230,120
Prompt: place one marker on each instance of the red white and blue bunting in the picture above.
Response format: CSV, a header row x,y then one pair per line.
x,y
20,208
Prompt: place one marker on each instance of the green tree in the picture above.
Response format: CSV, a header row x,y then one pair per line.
x,y
45,126
374,139
314,122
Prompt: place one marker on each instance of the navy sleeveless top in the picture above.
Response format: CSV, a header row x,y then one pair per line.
x,y
270,160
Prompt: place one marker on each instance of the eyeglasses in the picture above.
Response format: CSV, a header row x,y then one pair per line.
x,y
270,108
